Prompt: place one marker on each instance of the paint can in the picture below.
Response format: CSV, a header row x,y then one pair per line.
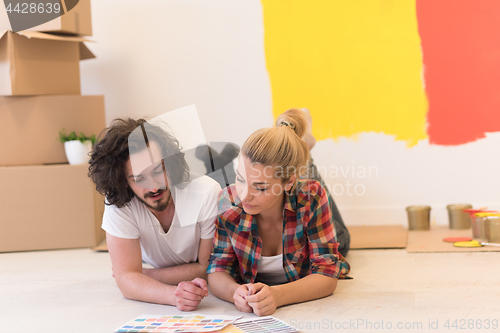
x,y
472,213
492,229
457,217
419,217
478,230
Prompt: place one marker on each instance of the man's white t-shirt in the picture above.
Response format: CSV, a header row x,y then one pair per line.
x,y
195,206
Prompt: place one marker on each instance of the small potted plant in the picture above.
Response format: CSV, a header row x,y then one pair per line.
x,y
77,148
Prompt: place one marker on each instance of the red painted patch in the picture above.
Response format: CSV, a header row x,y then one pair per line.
x,y
461,54
457,239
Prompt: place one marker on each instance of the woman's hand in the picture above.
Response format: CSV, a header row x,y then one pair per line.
x,y
239,298
263,299
189,294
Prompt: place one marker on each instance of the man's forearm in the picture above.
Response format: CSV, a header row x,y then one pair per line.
x,y
140,287
175,274
222,285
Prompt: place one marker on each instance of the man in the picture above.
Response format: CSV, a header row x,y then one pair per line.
x,y
343,236
155,212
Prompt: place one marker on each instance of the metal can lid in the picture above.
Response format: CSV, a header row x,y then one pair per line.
x,y
459,206
418,208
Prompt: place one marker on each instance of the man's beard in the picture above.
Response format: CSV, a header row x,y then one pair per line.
x,y
160,205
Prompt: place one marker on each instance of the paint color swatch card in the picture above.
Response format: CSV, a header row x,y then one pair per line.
x,y
164,324
261,325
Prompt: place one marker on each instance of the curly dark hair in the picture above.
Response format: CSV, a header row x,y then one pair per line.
x,y
112,150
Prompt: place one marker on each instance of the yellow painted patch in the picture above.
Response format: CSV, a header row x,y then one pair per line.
x,y
467,244
356,65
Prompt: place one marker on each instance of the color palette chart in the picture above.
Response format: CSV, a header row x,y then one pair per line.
x,y
261,325
191,323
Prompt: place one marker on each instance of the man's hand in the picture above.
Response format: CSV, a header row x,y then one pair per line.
x,y
239,298
189,294
262,299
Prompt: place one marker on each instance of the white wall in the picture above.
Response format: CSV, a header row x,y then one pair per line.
x,y
422,175
154,56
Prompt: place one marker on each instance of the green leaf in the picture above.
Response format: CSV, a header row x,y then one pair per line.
x,y
63,137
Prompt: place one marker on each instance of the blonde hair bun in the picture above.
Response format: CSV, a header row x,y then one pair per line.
x,y
294,119
281,146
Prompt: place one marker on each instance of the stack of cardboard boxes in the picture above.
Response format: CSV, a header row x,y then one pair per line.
x,y
46,203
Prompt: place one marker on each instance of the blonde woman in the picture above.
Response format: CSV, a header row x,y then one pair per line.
x,y
275,241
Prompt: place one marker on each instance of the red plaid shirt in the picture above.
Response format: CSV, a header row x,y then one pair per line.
x,y
309,239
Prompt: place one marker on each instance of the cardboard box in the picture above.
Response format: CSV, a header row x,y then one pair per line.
x,y
34,63
30,126
49,207
77,21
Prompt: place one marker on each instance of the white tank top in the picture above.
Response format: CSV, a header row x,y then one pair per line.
x,y
270,270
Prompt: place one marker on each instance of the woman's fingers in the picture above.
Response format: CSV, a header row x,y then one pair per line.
x,y
258,300
255,297
263,302
241,291
265,310
239,299
254,288
261,293
242,305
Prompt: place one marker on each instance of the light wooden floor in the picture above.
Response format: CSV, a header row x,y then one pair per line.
x,y
73,291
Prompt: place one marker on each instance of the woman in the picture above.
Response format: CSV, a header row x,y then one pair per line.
x,y
275,241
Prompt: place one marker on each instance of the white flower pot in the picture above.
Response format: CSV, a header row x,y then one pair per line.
x,y
78,152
